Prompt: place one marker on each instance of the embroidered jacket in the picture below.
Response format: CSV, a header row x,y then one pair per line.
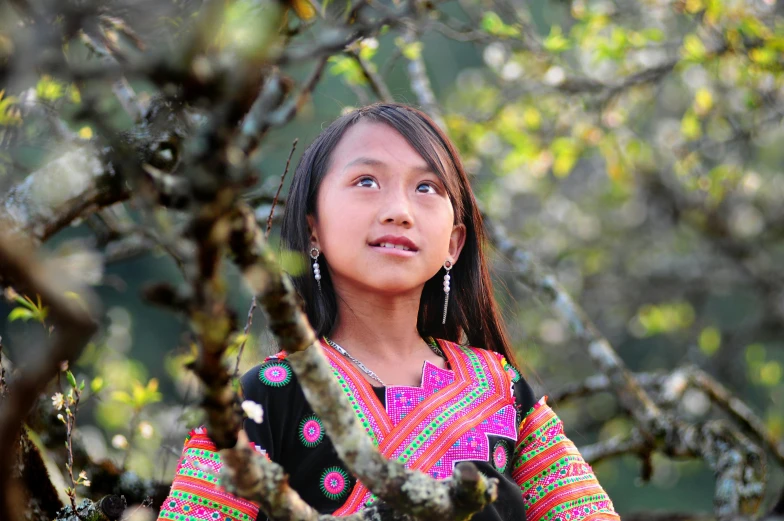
x,y
471,411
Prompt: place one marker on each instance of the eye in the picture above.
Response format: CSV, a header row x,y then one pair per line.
x,y
426,188
367,182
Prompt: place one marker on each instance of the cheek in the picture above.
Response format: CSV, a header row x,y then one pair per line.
x,y
438,225
343,224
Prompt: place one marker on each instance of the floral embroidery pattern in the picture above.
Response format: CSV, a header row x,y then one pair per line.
x,y
334,483
311,432
500,456
275,374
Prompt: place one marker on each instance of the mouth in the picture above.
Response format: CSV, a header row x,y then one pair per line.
x,y
393,244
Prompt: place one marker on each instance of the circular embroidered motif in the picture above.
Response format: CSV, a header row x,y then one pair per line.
x,y
500,456
311,432
334,483
275,374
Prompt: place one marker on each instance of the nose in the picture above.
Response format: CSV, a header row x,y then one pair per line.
x,y
396,208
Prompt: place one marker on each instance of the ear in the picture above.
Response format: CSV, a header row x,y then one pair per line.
x,y
313,232
456,241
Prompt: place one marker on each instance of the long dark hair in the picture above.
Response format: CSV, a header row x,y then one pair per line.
x,y
473,314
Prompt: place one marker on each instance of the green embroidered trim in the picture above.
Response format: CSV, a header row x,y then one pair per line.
x,y
556,510
204,454
538,433
198,474
179,516
363,420
527,455
193,498
539,492
552,469
428,431
198,500
226,513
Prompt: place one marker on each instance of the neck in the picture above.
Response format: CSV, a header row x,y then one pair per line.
x,y
383,326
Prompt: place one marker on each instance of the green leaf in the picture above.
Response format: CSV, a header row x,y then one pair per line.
x,y
653,34
555,41
122,397
770,373
691,128
8,115
411,50
26,302
493,24
97,384
566,152
693,48
71,379
49,89
20,314
78,298
348,68
293,262
666,317
710,340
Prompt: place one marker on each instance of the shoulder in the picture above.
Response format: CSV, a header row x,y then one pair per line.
x,y
274,374
523,393
498,360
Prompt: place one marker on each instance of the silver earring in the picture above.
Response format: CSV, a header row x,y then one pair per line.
x,y
447,266
314,254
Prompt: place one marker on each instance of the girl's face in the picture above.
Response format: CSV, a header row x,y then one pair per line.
x,y
385,221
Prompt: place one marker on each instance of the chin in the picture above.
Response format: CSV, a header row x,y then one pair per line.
x,y
394,286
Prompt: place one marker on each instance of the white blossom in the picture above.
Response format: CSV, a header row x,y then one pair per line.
x,y
253,411
146,430
119,442
58,401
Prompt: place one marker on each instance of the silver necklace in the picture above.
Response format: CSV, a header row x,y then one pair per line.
x,y
431,343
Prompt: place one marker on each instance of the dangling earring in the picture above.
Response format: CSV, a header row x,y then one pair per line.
x,y
314,254
447,266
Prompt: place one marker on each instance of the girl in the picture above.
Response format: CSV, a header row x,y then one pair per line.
x,y
402,298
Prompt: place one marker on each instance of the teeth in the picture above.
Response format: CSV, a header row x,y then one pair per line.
x,y
398,246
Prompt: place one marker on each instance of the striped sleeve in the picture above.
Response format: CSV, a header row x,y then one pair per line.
x,y
195,494
556,483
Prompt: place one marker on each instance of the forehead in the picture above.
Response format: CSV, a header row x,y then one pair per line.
x,y
377,141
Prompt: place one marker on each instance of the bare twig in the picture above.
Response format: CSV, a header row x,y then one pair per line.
x,y
280,187
248,323
376,82
616,446
420,83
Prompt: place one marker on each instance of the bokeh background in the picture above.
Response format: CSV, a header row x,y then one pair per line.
x,y
635,148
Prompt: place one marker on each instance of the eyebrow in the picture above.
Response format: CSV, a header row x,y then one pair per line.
x,y
369,161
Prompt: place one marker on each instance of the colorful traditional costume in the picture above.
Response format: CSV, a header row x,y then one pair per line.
x,y
479,409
